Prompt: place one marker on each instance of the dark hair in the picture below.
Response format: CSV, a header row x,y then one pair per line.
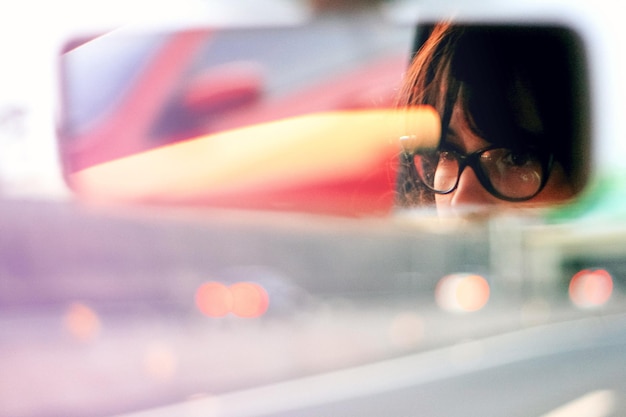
x,y
487,69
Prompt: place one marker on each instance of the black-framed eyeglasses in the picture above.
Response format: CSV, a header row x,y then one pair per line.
x,y
509,174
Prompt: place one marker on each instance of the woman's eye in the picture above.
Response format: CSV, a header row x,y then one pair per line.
x,y
518,158
511,158
445,157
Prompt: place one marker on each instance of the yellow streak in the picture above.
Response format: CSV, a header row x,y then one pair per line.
x,y
289,151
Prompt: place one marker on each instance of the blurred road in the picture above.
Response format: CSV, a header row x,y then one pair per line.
x,y
154,358
98,314
569,369
52,253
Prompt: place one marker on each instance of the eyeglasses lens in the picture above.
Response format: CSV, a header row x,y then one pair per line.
x,y
439,170
511,174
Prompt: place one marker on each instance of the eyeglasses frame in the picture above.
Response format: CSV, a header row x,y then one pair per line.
x,y
472,160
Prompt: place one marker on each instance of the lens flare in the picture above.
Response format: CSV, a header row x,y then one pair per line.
x,y
462,292
591,288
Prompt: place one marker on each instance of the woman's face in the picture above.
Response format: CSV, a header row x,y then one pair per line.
x,y
470,193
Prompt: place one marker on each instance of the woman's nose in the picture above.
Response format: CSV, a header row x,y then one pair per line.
x,y
470,191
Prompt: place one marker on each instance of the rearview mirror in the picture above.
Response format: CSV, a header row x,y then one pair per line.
x,y
318,118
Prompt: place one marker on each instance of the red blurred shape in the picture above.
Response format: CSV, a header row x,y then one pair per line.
x,y
250,299
124,130
214,299
243,299
224,86
591,288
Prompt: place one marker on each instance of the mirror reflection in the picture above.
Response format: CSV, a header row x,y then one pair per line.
x,y
512,106
341,118
279,118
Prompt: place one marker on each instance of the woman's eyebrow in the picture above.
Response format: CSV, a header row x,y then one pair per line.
x,y
451,146
451,133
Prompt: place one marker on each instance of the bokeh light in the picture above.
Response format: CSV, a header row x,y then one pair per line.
x,y
250,299
160,361
243,299
591,288
81,322
214,299
462,292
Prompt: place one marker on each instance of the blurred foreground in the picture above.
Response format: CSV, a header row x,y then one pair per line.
x,y
118,304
